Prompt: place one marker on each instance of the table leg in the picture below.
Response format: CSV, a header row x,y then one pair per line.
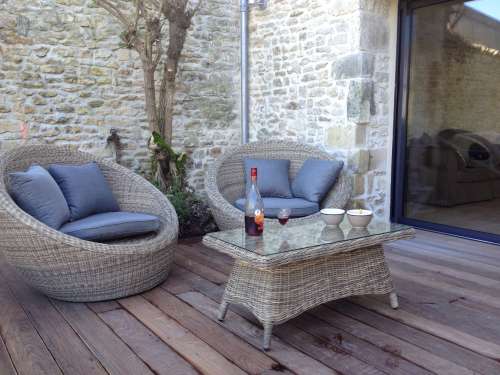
x,y
393,298
222,310
268,331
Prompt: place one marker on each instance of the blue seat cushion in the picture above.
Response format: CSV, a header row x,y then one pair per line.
x,y
112,226
272,177
299,207
84,188
315,179
36,193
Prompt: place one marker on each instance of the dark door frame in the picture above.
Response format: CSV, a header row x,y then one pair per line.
x,y
405,19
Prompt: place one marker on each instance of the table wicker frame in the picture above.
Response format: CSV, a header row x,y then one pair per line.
x,y
283,290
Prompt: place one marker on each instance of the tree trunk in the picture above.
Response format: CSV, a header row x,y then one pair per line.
x,y
177,37
150,96
168,111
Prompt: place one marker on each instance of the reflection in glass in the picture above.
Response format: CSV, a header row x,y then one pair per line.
x,y
453,124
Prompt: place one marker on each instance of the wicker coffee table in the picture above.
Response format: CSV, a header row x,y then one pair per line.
x,y
292,269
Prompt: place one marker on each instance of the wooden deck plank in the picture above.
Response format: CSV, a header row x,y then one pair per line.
x,y
340,341
299,339
440,306
443,270
479,250
70,353
175,283
116,357
27,350
321,350
449,333
447,324
100,307
431,343
207,272
154,352
436,281
226,343
29,354
6,365
193,349
444,258
290,357
390,344
282,353
203,255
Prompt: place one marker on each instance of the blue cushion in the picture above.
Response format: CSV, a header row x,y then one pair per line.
x,y
272,177
112,226
299,207
36,192
85,189
315,179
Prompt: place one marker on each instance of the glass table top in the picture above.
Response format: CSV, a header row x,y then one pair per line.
x,y
291,237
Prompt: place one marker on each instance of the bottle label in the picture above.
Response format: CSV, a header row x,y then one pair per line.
x,y
259,220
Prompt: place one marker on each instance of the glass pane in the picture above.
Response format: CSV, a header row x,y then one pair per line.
x,y
453,124
277,239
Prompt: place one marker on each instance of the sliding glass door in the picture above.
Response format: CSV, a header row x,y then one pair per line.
x,y
447,174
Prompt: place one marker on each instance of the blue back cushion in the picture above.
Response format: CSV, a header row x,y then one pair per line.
x,y
272,177
36,192
272,206
112,226
315,179
85,189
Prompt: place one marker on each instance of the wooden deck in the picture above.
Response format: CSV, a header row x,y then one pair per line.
x,y
448,323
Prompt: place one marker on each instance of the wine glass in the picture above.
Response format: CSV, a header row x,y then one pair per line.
x,y
284,215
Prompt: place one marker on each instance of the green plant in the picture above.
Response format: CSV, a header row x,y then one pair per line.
x,y
183,201
194,216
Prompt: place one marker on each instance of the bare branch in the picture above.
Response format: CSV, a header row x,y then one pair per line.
x,y
115,11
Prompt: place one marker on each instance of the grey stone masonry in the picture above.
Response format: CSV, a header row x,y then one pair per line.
x,y
320,73
65,79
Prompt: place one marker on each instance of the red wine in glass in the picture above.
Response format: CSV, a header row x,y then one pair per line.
x,y
284,216
283,220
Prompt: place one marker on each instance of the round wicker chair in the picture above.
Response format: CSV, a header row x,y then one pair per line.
x,y
225,179
71,269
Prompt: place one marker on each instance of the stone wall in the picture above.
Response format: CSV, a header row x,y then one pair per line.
x,y
63,74
321,73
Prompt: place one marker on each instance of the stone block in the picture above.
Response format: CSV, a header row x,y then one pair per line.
x,y
65,109
359,185
378,159
360,101
41,51
343,137
356,65
359,161
52,69
96,103
375,34
38,100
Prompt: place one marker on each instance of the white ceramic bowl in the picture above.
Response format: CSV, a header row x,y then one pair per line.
x,y
359,218
332,216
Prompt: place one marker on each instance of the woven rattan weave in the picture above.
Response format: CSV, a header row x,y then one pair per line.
x,y
280,286
68,268
225,178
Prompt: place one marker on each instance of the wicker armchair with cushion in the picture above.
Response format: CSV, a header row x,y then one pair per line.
x,y
72,269
225,182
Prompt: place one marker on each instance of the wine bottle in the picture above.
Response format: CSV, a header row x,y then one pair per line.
x,y
254,208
